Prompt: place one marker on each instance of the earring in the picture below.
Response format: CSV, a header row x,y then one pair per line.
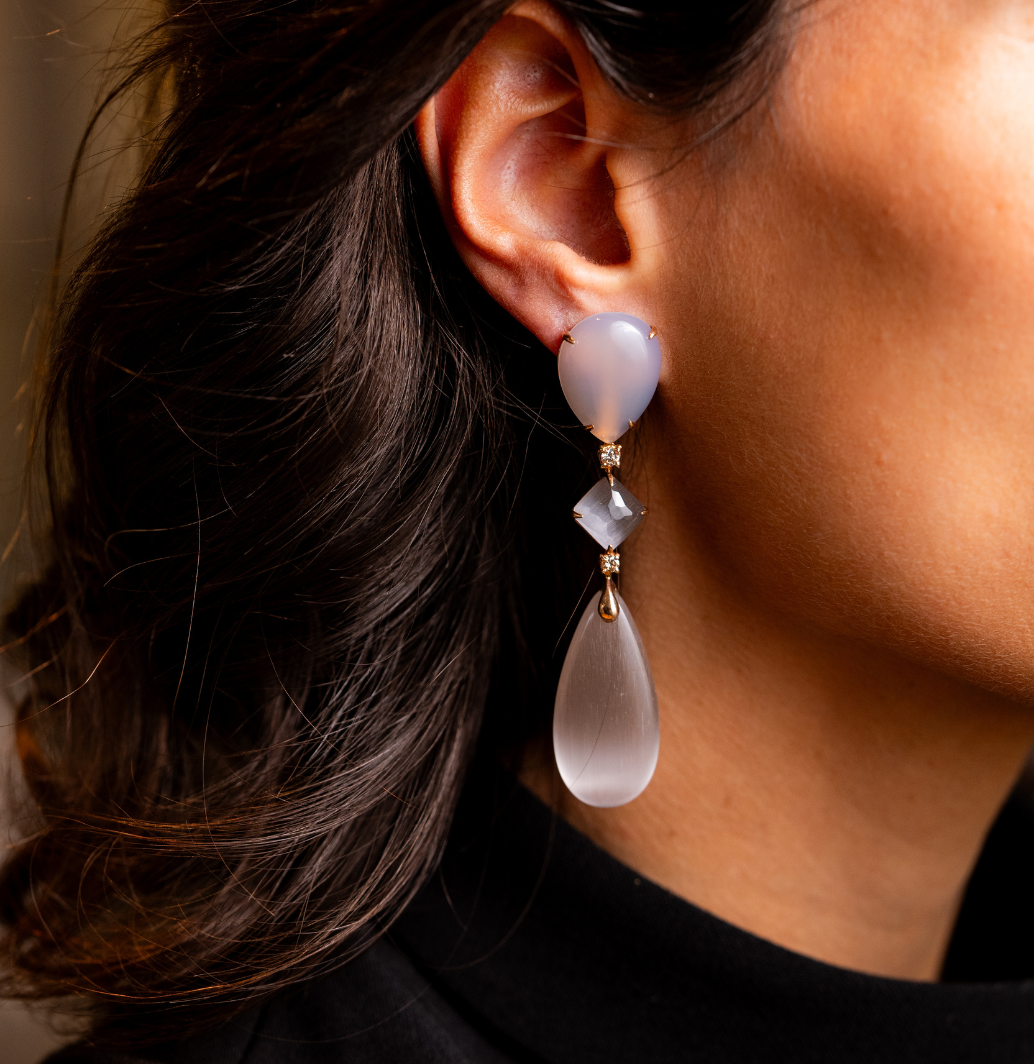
x,y
606,733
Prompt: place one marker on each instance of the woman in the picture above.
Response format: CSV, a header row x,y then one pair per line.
x,y
311,561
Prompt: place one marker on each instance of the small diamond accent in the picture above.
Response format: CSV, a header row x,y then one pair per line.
x,y
610,456
610,563
609,512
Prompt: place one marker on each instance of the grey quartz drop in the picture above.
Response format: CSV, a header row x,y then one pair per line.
x,y
606,731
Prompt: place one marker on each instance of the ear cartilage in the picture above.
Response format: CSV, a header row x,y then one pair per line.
x,y
606,730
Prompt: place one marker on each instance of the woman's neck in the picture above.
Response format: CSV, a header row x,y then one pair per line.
x,y
816,790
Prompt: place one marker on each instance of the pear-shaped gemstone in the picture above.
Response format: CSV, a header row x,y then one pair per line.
x,y
609,371
606,732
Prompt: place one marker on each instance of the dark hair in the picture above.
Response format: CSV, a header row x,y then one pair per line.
x,y
307,493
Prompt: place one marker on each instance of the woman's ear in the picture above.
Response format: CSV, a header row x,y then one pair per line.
x,y
518,146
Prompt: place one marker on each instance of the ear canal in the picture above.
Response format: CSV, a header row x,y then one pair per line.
x,y
582,212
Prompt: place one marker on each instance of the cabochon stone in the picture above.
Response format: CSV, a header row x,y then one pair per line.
x,y
606,730
610,372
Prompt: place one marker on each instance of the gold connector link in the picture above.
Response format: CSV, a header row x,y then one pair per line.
x,y
608,608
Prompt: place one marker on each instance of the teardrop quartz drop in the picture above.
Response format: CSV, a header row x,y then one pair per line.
x,y
606,732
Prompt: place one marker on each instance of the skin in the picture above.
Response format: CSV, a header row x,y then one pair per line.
x,y
835,583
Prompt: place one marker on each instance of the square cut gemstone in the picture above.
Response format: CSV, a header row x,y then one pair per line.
x,y
609,514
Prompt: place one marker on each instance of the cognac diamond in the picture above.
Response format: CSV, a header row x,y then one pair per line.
x,y
610,456
610,563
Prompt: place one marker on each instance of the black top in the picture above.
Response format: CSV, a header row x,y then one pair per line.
x,y
533,945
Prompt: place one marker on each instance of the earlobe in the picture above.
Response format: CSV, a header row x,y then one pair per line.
x,y
516,148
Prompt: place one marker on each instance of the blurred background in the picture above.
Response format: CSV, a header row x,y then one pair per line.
x,y
52,57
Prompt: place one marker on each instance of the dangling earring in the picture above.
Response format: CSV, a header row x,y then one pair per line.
x,y
606,733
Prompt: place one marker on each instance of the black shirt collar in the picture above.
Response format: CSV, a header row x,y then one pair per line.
x,y
559,953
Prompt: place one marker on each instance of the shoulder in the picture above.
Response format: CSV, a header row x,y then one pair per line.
x,y
374,1010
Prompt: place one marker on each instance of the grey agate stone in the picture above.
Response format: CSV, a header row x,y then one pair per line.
x,y
606,730
609,514
609,371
